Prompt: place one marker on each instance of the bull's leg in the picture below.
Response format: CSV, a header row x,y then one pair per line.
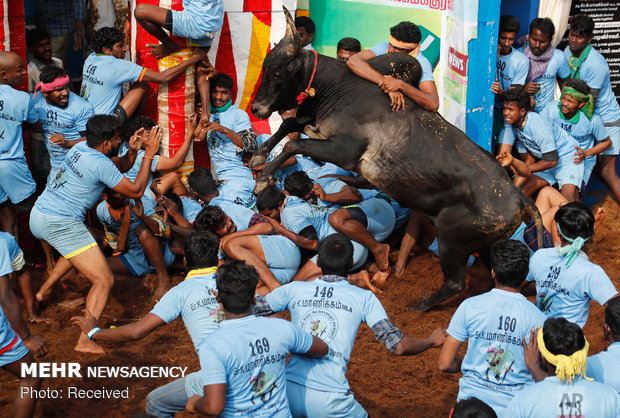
x,y
341,150
288,126
452,258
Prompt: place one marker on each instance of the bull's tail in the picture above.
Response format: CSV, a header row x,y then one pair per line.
x,y
527,207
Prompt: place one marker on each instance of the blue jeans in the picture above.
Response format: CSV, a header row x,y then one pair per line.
x,y
166,400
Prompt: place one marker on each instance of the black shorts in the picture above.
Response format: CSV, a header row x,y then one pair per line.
x,y
168,24
531,237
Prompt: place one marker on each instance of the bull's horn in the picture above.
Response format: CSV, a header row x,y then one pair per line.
x,y
291,40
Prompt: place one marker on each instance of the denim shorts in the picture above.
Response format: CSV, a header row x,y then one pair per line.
x,y
69,236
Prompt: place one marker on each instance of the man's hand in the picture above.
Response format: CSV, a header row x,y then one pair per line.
x,y
495,87
36,345
390,84
437,337
169,206
155,187
152,144
59,139
580,155
77,41
532,87
201,130
214,126
318,191
135,142
190,126
505,159
86,322
200,53
532,357
398,100
191,403
137,208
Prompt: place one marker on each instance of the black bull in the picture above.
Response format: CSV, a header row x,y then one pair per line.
x,y
414,156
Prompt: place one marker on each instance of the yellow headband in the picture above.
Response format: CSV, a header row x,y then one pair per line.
x,y
566,367
414,47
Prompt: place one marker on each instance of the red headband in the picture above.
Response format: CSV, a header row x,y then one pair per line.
x,y
47,87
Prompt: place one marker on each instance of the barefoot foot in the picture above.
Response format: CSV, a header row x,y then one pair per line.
x,y
382,256
163,50
362,279
84,345
379,278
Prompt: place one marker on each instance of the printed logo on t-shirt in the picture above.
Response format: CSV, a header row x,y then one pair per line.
x,y
320,323
500,363
263,386
60,179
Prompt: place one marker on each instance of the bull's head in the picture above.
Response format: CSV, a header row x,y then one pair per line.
x,y
279,86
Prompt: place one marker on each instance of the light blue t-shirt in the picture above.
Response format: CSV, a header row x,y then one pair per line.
x,y
191,208
567,291
240,215
595,72
16,107
586,131
558,66
103,78
68,121
331,311
552,398
7,335
78,183
299,214
249,355
194,302
225,156
427,69
132,242
14,251
603,367
132,173
494,325
539,137
511,70
240,191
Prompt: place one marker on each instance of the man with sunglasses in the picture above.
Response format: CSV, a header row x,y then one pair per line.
x,y
405,38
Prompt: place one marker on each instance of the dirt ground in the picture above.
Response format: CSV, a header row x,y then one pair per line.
x,y
386,385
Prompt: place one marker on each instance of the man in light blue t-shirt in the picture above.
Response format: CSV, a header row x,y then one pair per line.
x,y
404,37
603,367
566,281
17,186
562,388
335,309
511,68
543,146
229,132
58,214
589,65
546,64
495,324
193,300
106,70
574,114
63,115
242,363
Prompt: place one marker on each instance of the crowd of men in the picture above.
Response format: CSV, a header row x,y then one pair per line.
x,y
315,243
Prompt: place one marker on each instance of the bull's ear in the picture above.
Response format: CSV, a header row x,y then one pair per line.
x,y
291,40
294,65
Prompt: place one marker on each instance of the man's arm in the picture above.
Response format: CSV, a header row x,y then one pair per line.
x,y
126,162
318,348
129,332
348,195
168,163
448,361
172,73
212,403
426,95
136,189
549,160
10,306
358,63
409,346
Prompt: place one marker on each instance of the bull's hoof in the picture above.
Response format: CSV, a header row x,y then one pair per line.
x,y
260,186
420,306
257,160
